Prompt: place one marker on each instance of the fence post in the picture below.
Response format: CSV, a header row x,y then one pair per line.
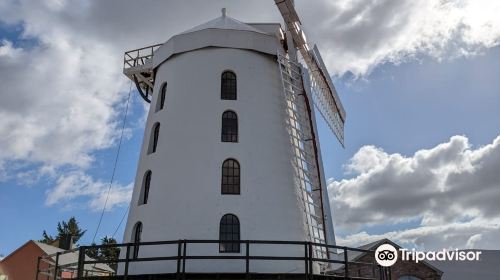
x,y
346,264
247,259
81,261
57,264
127,257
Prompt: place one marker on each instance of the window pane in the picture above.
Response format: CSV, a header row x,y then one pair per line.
x,y
229,127
155,135
228,86
230,177
163,96
137,239
229,231
147,184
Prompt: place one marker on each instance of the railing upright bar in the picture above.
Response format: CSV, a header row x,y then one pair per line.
x,y
179,245
127,257
247,259
310,260
306,261
56,265
37,268
184,259
81,262
346,264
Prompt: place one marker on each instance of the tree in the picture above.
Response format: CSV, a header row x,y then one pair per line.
x,y
64,229
107,255
70,228
92,251
47,239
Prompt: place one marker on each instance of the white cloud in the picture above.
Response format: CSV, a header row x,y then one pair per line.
x,y
3,173
74,186
452,191
7,51
59,102
357,35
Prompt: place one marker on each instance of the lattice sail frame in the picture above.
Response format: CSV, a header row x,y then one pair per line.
x,y
307,177
324,99
324,93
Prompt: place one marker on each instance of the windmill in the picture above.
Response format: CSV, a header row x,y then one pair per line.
x,y
258,174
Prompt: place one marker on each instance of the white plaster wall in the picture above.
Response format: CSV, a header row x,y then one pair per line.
x,y
185,200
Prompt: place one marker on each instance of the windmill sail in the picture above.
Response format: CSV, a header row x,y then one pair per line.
x,y
325,96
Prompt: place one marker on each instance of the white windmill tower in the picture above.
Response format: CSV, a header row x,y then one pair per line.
x,y
230,150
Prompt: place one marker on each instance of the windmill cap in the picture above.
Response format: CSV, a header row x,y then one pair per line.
x,y
224,22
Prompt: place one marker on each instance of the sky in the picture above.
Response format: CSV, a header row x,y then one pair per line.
x,y
419,81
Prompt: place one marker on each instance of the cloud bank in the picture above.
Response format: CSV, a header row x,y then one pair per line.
x,y
61,99
62,92
450,191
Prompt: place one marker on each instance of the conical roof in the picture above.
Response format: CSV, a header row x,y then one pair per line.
x,y
224,22
222,32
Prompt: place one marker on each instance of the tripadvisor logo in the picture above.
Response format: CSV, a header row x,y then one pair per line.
x,y
387,255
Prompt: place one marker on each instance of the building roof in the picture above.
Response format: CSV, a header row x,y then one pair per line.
x,y
224,22
70,257
67,258
353,256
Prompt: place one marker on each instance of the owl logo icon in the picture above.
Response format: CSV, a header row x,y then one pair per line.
x,y
386,255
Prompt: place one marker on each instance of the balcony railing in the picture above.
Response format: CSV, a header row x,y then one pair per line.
x,y
84,267
138,57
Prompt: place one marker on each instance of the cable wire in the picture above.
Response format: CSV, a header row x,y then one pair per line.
x,y
115,163
121,221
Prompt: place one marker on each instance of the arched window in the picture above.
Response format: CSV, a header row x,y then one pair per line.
x,y
229,231
146,183
153,143
230,177
228,86
137,239
161,97
229,127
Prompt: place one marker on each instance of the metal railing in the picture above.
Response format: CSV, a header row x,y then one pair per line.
x,y
138,57
86,267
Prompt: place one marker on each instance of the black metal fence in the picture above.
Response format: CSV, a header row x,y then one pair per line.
x,y
76,263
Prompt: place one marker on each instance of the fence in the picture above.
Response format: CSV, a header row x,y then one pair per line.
x,y
77,264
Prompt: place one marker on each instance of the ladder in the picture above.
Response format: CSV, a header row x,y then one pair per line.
x,y
307,181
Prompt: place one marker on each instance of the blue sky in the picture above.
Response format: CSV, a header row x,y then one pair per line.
x,y
410,102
